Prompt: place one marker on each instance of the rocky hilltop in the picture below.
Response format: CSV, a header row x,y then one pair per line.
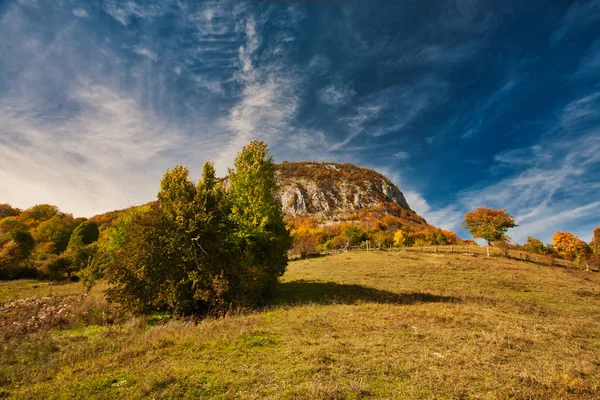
x,y
333,190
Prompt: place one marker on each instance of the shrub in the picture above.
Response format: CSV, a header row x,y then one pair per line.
x,y
355,234
200,249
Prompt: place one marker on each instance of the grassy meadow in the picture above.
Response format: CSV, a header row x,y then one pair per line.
x,y
355,325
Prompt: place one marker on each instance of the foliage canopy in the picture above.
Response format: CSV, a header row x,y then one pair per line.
x,y
489,224
201,249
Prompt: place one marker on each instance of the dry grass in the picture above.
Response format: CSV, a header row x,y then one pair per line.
x,y
357,325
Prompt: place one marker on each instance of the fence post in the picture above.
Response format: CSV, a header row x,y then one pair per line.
x,y
488,250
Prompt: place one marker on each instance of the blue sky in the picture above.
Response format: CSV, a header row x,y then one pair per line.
x,y
462,103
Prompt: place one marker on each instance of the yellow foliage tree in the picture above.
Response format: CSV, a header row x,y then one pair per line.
x,y
399,238
567,245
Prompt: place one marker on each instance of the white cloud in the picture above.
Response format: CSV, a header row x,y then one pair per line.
x,y
123,11
489,109
143,51
392,109
88,163
402,155
336,95
268,102
80,13
580,16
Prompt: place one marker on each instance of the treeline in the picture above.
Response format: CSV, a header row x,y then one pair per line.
x,y
565,245
43,242
391,225
382,226
492,225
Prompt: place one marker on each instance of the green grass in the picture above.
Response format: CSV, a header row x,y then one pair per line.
x,y
356,325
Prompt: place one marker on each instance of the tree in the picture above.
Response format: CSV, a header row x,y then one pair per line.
x,y
567,245
261,235
595,245
82,247
14,253
450,236
6,210
201,249
534,245
399,238
56,230
24,240
85,233
355,234
489,224
38,213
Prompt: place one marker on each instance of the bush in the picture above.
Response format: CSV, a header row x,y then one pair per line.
x,y
201,249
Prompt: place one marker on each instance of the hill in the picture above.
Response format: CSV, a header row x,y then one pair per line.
x,y
333,190
329,205
355,325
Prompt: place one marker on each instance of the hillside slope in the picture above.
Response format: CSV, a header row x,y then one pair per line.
x,y
356,325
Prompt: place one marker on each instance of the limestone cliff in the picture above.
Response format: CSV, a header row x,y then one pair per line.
x,y
333,190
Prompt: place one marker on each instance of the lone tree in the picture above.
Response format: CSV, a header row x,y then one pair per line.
x,y
489,224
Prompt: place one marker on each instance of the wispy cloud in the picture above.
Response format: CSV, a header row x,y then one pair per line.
x,y
124,11
551,184
143,51
485,111
80,13
401,155
336,94
269,97
580,16
392,109
589,66
87,163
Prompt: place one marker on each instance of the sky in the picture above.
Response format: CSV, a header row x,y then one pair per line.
x,y
461,103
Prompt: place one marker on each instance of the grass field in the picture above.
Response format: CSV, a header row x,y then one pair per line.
x,y
355,325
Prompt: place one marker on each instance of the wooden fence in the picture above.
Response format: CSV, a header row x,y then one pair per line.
x,y
496,252
474,250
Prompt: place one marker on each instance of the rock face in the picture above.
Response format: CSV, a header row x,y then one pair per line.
x,y
332,190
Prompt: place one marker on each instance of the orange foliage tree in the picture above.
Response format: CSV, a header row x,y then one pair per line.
x,y
567,245
489,224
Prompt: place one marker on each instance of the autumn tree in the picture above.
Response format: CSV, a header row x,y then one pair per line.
x,y
567,245
6,210
595,245
534,245
14,253
450,236
489,224
38,213
56,230
399,238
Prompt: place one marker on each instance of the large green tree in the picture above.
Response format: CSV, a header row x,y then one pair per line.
x,y
261,235
201,248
